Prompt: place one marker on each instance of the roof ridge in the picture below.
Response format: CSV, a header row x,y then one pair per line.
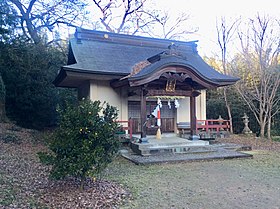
x,y
104,36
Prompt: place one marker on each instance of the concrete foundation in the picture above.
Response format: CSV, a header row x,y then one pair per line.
x,y
170,144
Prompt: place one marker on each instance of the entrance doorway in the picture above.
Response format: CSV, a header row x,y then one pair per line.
x,y
167,117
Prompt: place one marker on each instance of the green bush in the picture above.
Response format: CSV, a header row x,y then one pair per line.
x,y
276,138
275,132
84,143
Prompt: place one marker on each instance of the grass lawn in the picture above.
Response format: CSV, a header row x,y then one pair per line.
x,y
237,183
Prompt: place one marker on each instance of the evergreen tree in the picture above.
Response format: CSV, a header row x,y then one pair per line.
x,y
28,71
84,142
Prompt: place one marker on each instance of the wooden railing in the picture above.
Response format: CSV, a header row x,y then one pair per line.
x,y
209,126
127,126
212,125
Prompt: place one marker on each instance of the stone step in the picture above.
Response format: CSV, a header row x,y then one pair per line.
x,y
166,145
152,149
182,150
231,146
173,157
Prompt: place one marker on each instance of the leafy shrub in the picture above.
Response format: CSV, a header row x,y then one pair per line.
x,y
276,138
275,133
84,143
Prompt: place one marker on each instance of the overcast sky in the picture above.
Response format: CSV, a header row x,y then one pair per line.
x,y
204,14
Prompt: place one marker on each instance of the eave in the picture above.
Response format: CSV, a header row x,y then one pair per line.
x,y
192,74
73,78
191,66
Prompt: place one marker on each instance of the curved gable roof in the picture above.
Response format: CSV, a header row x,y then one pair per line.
x,y
191,64
106,52
104,55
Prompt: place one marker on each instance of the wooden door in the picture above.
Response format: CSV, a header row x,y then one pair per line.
x,y
167,117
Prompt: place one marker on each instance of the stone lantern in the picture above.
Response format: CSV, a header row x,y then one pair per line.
x,y
220,120
246,129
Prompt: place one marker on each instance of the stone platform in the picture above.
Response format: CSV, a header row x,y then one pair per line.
x,y
220,154
171,148
170,143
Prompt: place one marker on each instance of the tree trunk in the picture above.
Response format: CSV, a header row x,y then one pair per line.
x,y
262,131
228,110
269,126
262,121
82,185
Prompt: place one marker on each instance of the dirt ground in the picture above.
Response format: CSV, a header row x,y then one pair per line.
x,y
236,183
255,142
24,181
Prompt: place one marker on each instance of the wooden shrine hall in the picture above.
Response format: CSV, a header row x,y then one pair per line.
x,y
133,73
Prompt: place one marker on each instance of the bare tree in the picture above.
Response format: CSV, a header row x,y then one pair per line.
x,y
121,16
260,71
37,16
225,33
172,27
134,17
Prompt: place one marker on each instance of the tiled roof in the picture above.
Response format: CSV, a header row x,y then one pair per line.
x,y
97,52
192,61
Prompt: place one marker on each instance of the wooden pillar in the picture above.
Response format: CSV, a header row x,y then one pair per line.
x,y
193,115
143,114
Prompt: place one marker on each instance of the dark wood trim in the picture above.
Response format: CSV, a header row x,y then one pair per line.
x,y
119,83
193,115
153,92
187,71
143,113
176,76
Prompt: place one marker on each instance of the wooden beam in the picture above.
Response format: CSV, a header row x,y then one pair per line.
x,y
143,113
154,92
193,115
181,73
176,76
119,83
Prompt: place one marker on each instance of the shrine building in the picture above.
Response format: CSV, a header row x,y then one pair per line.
x,y
136,73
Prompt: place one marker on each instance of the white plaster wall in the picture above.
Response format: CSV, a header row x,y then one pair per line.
x,y
123,114
201,106
101,90
183,112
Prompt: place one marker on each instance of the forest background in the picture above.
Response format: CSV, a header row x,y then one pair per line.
x,y
33,47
